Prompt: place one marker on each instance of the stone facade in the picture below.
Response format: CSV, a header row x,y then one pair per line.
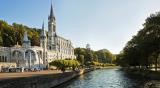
x,y
51,47
23,56
56,43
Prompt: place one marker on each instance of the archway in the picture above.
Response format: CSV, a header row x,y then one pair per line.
x,y
30,57
18,58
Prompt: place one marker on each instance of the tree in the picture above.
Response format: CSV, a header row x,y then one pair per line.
x,y
35,40
95,57
63,64
101,56
88,57
81,59
11,34
144,48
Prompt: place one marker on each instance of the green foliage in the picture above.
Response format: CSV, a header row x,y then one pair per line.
x,y
144,48
88,56
81,59
11,34
101,64
63,64
35,40
95,57
100,56
96,63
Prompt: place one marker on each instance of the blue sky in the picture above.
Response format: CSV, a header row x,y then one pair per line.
x,y
101,23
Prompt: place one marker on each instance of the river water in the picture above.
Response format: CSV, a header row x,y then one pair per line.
x,y
105,78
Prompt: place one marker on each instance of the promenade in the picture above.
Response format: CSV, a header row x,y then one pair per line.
x,y
27,74
42,79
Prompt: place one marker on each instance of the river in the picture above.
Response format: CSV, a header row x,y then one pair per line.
x,y
105,78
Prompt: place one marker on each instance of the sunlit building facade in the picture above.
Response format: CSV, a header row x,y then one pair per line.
x,y
51,47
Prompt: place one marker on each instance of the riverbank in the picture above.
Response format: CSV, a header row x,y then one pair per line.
x,y
149,74
46,80
111,67
153,77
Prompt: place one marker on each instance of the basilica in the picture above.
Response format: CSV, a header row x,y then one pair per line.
x,y
51,47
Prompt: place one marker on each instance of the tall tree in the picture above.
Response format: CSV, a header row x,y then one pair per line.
x,y
35,40
144,48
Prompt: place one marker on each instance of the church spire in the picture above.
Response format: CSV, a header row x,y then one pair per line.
x,y
51,12
43,34
43,25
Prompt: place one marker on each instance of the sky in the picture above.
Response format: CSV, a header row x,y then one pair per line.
x,y
103,24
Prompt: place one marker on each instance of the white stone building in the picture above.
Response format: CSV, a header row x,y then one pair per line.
x,y
51,47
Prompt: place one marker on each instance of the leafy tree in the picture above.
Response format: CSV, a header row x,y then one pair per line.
x,y
101,56
35,40
90,56
63,64
144,48
81,59
11,34
95,57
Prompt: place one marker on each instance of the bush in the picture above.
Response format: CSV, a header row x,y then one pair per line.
x,y
63,64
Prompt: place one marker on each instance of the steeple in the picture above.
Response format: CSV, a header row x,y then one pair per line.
x,y
51,30
43,42
51,12
43,34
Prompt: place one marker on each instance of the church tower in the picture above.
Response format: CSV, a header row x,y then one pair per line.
x,y
51,30
43,43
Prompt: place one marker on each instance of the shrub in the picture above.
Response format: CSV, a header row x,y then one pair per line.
x,y
63,64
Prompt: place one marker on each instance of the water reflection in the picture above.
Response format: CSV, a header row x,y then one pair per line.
x,y
104,78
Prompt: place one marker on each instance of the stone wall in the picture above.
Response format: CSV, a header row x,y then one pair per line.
x,y
43,81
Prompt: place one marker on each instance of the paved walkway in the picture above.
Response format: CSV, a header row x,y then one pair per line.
x,y
27,74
